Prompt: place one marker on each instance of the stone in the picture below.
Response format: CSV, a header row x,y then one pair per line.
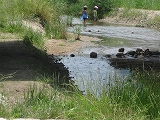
x,y
93,55
72,55
121,50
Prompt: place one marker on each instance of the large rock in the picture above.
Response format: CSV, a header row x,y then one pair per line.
x,y
93,55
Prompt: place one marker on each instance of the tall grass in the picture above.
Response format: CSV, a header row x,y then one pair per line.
x,y
136,97
34,38
46,12
139,4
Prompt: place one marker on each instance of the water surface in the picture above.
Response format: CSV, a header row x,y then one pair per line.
x,y
95,74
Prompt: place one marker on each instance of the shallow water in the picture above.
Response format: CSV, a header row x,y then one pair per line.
x,y
95,74
121,36
92,73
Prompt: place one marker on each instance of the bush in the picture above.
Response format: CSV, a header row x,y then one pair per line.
x,y
104,6
76,8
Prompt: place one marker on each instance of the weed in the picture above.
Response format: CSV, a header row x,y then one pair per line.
x,y
77,31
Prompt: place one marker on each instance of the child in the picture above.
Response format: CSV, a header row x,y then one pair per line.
x,y
84,14
95,13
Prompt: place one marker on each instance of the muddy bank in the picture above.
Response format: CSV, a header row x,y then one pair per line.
x,y
139,59
141,64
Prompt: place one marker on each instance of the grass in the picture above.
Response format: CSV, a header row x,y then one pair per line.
x,y
155,22
34,38
12,13
138,4
136,97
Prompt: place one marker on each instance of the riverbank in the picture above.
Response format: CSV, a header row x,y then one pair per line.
x,y
134,17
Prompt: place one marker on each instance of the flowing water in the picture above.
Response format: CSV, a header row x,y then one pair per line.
x,y
95,74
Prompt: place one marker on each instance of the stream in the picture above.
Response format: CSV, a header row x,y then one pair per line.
x,y
95,74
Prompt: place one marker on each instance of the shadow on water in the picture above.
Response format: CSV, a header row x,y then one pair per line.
x,y
95,74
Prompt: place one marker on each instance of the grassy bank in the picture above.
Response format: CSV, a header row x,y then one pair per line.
x,y
135,97
45,12
137,4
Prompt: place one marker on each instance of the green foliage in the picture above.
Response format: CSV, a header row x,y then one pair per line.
x,y
34,38
104,6
76,8
72,1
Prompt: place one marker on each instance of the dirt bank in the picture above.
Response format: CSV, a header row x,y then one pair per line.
x,y
134,17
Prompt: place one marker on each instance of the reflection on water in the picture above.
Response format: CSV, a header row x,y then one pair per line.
x,y
115,42
92,74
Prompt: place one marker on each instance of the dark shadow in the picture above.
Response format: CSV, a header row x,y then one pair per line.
x,y
27,63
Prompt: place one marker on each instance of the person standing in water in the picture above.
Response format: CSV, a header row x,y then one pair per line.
x,y
95,14
84,15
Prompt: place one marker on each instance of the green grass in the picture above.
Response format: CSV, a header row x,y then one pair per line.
x,y
34,38
138,4
46,12
135,97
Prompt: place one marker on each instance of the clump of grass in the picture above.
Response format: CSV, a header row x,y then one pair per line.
x,y
155,22
34,38
138,95
77,31
39,103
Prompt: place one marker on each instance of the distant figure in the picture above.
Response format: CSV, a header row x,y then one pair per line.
x,y
84,15
95,13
